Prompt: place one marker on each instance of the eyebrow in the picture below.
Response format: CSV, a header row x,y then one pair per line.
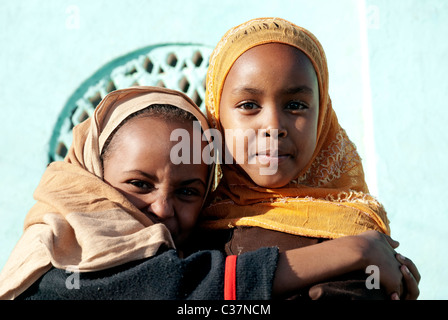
x,y
300,89
240,90
147,175
255,91
191,181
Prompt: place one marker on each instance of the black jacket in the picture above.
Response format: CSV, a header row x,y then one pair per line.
x,y
163,277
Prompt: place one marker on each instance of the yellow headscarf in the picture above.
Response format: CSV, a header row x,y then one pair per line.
x,y
329,198
80,222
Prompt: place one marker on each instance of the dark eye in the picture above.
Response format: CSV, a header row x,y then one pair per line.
x,y
296,106
248,106
140,184
188,193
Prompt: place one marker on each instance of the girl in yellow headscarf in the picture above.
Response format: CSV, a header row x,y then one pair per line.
x,y
295,178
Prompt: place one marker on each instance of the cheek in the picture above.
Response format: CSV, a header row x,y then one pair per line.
x,y
111,178
306,138
136,199
239,138
188,217
238,144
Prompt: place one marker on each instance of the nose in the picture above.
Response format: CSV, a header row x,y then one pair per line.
x,y
161,208
274,124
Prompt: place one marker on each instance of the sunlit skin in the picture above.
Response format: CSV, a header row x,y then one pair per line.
x,y
139,166
272,86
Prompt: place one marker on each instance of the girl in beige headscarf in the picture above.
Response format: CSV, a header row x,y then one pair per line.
x,y
108,217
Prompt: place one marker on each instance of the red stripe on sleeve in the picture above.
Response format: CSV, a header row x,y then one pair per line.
x,y
230,278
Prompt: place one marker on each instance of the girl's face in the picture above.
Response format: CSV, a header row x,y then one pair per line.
x,y
139,166
271,87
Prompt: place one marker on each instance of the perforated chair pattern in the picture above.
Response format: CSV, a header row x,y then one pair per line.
x,y
181,67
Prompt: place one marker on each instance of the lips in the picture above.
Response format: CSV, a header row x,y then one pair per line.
x,y
268,156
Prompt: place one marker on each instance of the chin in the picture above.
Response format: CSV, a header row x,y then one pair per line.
x,y
281,177
180,240
272,182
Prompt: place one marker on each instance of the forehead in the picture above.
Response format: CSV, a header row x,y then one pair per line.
x,y
287,61
150,137
150,133
153,126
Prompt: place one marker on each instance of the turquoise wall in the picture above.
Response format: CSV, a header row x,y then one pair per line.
x,y
387,83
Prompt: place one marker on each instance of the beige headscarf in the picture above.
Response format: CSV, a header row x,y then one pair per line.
x,y
329,198
80,222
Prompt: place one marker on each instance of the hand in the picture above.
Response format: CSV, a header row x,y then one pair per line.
x,y
301,267
379,249
411,278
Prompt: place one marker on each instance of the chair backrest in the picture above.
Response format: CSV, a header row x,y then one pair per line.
x,y
181,67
